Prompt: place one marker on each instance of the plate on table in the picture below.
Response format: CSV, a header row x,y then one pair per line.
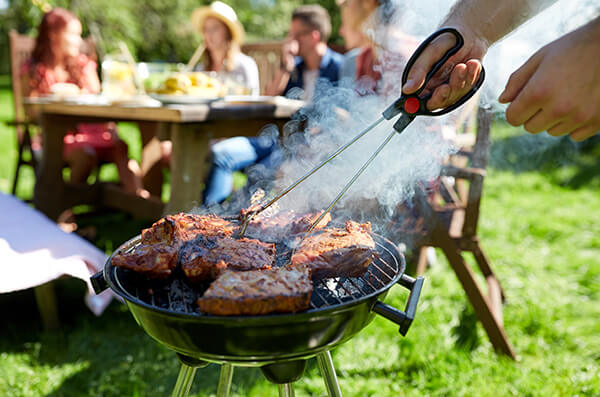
x,y
83,99
183,99
249,99
136,101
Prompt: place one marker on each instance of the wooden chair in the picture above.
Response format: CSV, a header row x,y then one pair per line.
x,y
21,47
448,220
268,59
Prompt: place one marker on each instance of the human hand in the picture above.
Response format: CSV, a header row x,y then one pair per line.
x,y
456,77
288,52
558,88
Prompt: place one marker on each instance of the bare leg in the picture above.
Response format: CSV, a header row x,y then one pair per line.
x,y
81,162
129,171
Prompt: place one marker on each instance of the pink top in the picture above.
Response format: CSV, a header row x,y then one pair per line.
x,y
380,72
367,72
41,78
100,137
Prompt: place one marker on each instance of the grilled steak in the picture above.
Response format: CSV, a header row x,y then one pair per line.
x,y
205,257
156,256
179,228
285,224
280,289
153,260
337,252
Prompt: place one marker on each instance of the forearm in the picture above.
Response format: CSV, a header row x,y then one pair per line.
x,y
278,84
493,19
90,83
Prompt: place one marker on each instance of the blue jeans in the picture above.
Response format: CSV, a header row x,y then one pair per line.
x,y
235,154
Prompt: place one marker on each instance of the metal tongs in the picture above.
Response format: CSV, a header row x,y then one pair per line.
x,y
408,106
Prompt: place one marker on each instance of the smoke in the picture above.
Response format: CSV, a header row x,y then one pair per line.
x,y
411,157
414,157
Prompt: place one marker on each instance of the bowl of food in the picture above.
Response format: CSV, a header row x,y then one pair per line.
x,y
189,87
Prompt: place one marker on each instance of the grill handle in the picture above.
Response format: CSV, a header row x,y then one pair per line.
x,y
98,282
403,318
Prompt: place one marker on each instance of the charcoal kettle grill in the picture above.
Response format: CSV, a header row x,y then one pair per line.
x,y
279,344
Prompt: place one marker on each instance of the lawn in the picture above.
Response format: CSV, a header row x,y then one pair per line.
x,y
540,226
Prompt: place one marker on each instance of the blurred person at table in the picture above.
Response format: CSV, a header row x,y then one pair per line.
x,y
355,41
381,52
223,35
58,67
380,48
306,59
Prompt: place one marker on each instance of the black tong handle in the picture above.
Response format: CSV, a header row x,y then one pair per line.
x,y
414,105
403,318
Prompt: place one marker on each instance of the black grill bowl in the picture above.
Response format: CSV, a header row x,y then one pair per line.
x,y
261,340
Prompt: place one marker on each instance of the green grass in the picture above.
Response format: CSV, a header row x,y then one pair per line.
x,y
540,226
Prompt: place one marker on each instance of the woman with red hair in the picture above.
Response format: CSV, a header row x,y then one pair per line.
x,y
58,67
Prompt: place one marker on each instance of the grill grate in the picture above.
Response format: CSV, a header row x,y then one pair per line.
x,y
177,295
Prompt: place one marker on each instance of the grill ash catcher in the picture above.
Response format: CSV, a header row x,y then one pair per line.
x,y
280,344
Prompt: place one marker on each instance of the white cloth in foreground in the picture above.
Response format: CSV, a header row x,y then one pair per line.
x,y
34,250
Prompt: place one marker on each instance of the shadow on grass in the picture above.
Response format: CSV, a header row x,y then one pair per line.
x,y
110,355
111,228
550,155
465,332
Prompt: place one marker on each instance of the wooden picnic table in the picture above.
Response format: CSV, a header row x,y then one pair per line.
x,y
191,128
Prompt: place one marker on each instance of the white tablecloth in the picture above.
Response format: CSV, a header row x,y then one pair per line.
x,y
34,250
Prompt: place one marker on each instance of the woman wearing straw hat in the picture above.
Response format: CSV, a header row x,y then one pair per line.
x,y
223,35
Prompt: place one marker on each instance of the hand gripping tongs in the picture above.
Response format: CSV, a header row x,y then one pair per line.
x,y
408,106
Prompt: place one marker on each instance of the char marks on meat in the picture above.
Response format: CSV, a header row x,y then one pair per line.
x,y
156,256
179,228
337,252
284,225
280,289
205,257
153,260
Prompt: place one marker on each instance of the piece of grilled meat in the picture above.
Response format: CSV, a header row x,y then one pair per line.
x,y
156,256
284,225
153,260
280,289
337,252
179,228
205,257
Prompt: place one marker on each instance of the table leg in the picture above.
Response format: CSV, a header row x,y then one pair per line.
x,y
49,191
151,162
45,296
189,166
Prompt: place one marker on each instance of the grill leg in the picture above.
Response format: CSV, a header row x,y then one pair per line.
x,y
225,380
286,390
328,372
184,381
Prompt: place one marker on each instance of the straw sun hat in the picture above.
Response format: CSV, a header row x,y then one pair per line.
x,y
223,13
